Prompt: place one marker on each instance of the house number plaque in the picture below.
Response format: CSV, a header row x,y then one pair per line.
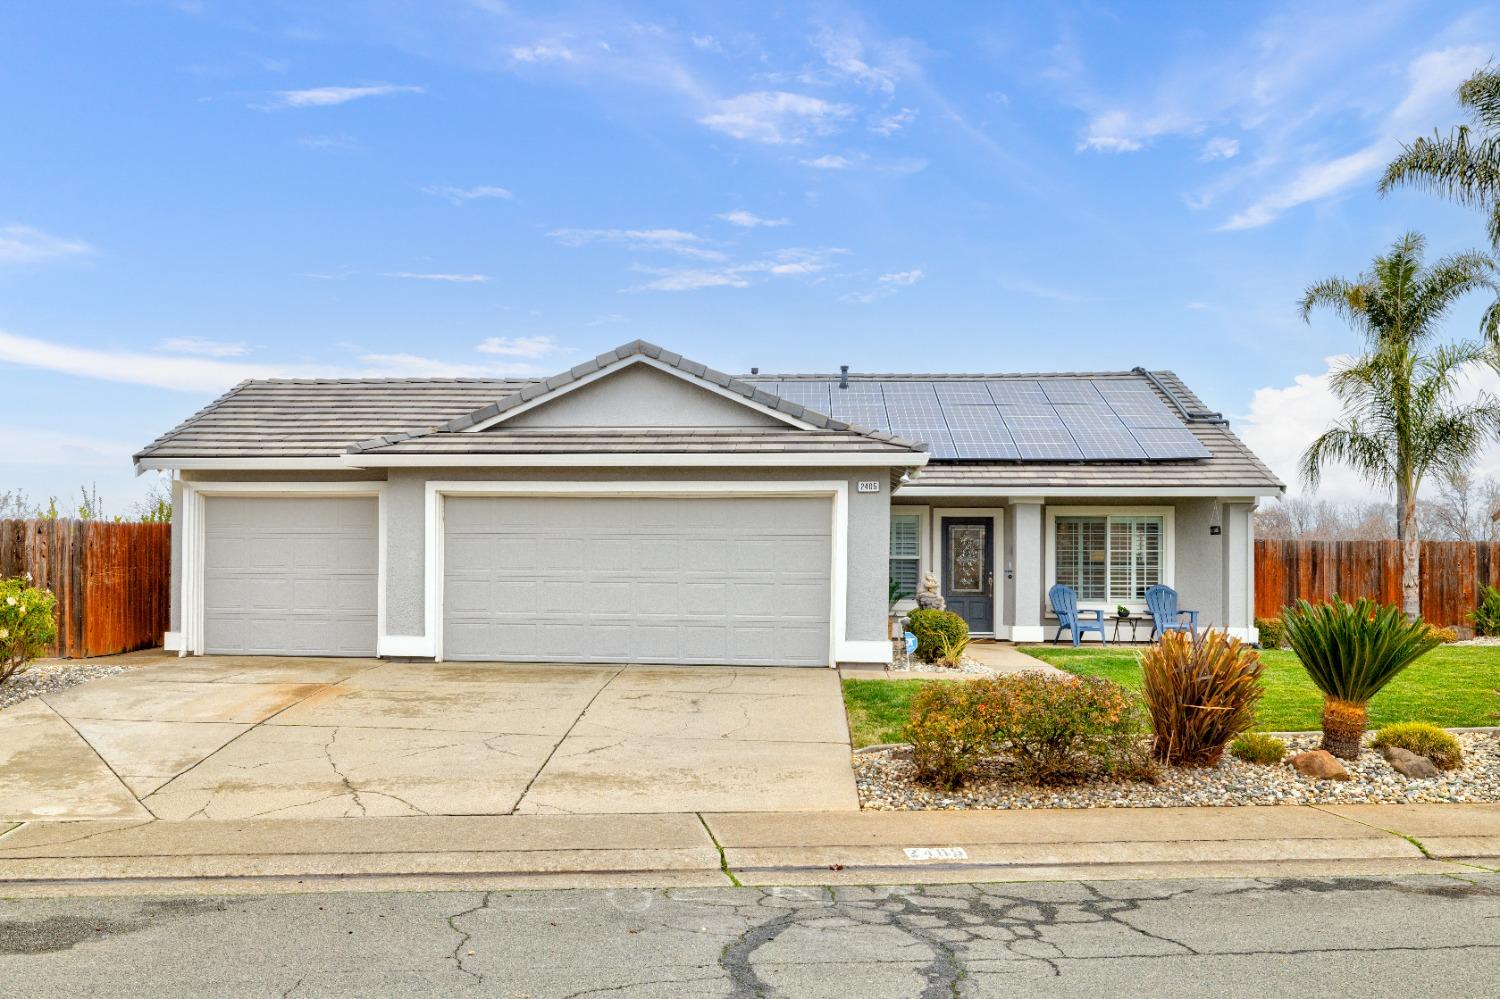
x,y
872,486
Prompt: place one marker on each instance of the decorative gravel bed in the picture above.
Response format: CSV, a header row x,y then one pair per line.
x,y
885,781
903,663
50,679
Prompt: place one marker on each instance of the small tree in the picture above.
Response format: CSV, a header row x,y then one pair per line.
x,y
1351,651
1402,419
28,625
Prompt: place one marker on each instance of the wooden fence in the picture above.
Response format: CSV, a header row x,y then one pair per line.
x,y
1454,574
111,580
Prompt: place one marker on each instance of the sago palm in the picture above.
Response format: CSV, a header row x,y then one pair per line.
x,y
1402,418
1351,651
1463,166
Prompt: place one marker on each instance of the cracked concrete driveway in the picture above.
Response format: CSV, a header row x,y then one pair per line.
x,y
245,737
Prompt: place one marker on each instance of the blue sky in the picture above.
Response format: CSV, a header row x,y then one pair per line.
x,y
198,192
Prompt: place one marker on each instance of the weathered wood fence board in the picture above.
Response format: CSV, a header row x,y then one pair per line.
x,y
1453,575
111,580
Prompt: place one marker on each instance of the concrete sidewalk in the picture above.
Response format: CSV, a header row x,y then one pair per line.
x,y
116,856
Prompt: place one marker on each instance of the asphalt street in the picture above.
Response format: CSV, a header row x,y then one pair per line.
x,y
1433,935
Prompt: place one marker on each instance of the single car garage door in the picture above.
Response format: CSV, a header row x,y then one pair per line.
x,y
740,581
290,576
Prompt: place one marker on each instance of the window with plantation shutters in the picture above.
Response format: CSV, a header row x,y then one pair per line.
x,y
1081,556
906,553
1134,556
1109,559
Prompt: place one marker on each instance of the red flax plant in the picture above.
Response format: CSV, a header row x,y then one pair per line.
x,y
1200,694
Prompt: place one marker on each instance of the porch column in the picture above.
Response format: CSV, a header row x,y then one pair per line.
x,y
1237,519
1029,568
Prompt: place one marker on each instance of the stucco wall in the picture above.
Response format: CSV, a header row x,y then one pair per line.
x,y
1213,574
641,396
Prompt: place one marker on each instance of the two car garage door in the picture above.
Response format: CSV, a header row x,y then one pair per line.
x,y
734,580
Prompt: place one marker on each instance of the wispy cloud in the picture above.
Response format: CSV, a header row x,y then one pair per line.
x,y
1432,78
21,244
450,278
463,195
677,241
202,347
519,346
889,124
203,375
543,52
829,161
788,262
608,319
844,54
1220,148
322,97
775,117
749,220
886,285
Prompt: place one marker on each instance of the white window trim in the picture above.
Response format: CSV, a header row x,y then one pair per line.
x,y
190,640
1169,548
919,512
840,649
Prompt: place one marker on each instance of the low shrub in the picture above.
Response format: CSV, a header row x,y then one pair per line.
x,y
1444,635
1062,731
1051,731
949,731
1257,747
28,624
933,628
1201,693
1425,740
1486,617
1272,633
951,651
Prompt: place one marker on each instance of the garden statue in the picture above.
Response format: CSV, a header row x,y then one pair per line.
x,y
928,597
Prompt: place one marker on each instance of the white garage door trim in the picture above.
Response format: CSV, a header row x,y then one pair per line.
x,y
837,492
193,523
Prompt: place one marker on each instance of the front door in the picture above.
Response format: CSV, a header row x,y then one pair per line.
x,y
969,570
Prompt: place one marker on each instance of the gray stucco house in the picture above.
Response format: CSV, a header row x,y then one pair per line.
x,y
643,507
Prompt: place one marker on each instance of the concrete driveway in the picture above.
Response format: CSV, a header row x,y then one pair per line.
x,y
250,737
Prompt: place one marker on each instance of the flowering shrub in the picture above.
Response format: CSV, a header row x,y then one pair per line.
x,y
949,731
933,628
1051,731
1063,730
28,624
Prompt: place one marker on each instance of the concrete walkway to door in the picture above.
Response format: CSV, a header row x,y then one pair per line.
x,y
250,737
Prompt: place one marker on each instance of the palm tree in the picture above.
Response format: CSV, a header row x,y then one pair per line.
x,y
1401,418
1465,165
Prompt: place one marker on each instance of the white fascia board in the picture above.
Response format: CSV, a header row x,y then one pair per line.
x,y
1082,492
652,362
691,459
241,464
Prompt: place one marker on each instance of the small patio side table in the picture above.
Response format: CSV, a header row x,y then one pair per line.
x,y
1132,620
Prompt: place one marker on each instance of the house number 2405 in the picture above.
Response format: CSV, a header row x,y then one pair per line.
x,y
873,486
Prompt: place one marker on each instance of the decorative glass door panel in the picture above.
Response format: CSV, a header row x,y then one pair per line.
x,y
966,568
968,564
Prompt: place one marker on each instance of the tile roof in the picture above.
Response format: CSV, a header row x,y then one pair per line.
x,y
325,418
709,440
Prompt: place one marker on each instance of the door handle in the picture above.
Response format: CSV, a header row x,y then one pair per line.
x,y
989,585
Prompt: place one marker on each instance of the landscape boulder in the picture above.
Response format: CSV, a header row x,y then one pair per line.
x,y
1404,761
1319,764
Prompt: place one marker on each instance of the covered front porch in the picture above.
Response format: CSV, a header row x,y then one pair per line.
x,y
995,557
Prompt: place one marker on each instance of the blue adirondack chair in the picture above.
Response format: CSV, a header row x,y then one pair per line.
x,y
1161,601
1069,618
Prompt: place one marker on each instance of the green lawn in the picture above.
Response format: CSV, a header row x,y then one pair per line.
x,y
1449,686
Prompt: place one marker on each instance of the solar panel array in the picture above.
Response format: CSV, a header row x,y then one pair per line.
x,y
1057,419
